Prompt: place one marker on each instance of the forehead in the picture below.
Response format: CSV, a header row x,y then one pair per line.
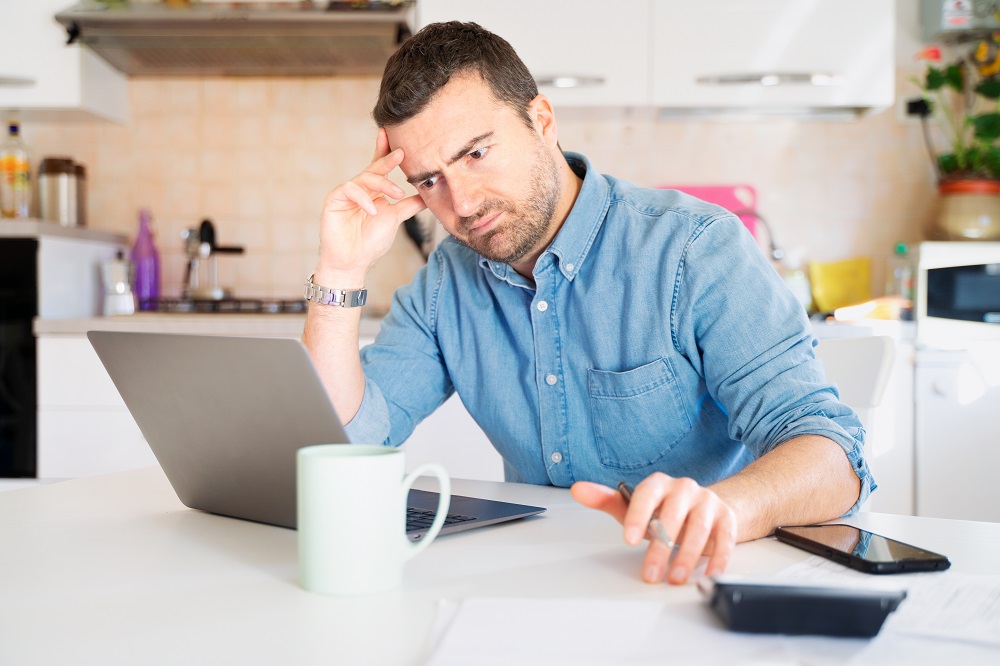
x,y
463,109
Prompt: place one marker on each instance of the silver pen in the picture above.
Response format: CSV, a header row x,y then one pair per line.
x,y
655,528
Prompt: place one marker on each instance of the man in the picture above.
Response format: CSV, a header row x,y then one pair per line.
x,y
596,331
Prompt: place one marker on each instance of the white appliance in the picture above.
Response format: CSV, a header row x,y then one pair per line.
x,y
957,380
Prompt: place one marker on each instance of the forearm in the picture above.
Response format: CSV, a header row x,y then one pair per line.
x,y
331,335
803,481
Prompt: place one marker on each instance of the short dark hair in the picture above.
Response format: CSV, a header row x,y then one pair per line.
x,y
425,63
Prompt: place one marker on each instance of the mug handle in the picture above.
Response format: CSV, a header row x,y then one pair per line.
x,y
444,501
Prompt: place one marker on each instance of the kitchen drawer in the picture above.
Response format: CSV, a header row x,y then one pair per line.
x,y
74,443
71,375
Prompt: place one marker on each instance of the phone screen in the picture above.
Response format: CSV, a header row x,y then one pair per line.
x,y
862,549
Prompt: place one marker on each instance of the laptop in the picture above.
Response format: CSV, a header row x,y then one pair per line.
x,y
225,416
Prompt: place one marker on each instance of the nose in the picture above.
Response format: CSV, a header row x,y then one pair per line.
x,y
466,194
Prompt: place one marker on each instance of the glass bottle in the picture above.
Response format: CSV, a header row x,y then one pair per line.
x,y
146,262
900,279
15,175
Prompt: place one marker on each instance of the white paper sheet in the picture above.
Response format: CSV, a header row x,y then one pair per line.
x,y
945,605
599,632
551,632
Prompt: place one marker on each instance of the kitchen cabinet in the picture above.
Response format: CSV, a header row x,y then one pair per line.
x,y
40,73
957,401
761,56
581,52
773,54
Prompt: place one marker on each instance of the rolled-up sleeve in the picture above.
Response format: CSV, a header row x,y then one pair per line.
x,y
737,323
405,376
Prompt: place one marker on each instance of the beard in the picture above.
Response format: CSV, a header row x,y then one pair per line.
x,y
528,221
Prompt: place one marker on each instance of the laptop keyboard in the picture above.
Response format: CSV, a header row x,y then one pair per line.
x,y
418,519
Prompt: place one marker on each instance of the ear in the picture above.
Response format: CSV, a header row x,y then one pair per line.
x,y
544,118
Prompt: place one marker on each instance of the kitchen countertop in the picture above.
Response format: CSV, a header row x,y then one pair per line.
x,y
257,325
37,228
290,325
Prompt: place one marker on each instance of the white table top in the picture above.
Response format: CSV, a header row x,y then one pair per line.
x,y
114,569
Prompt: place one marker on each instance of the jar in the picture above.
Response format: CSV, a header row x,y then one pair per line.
x,y
969,210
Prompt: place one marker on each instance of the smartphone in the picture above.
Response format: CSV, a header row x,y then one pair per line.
x,y
862,550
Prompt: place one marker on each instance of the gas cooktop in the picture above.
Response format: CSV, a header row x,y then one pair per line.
x,y
225,306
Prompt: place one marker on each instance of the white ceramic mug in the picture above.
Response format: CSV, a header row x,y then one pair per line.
x,y
352,517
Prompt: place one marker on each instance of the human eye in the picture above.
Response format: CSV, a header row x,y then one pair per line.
x,y
428,183
479,153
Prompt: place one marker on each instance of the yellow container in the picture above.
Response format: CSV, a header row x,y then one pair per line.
x,y
840,283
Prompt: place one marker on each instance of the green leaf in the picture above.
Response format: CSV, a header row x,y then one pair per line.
x,y
992,161
987,126
953,77
990,89
935,78
947,162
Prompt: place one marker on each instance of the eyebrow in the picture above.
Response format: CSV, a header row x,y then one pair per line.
x,y
459,154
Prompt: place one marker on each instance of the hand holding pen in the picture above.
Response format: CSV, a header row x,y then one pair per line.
x,y
682,519
655,530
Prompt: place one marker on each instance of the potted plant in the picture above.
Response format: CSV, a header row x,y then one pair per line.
x,y
962,97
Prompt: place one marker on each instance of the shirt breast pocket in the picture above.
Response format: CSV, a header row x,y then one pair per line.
x,y
638,414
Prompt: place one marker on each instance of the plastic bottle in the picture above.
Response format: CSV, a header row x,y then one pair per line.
x,y
792,271
146,261
900,279
15,175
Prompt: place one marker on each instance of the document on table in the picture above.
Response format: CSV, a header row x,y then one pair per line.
x,y
945,605
598,632
530,632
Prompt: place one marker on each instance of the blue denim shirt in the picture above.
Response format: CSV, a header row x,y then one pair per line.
x,y
656,337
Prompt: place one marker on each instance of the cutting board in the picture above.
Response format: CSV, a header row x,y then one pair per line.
x,y
739,199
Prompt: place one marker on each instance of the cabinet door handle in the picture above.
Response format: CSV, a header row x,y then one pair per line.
x,y
15,82
772,79
570,81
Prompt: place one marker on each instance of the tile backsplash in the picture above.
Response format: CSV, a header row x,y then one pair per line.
x,y
257,156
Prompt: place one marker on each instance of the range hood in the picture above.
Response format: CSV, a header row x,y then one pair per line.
x,y
242,39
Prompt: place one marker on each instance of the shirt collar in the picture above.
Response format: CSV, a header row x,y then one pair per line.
x,y
577,234
575,237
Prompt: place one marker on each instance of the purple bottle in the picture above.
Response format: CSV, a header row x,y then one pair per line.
x,y
146,261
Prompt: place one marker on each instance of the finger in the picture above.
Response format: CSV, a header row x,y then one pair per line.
x,y
723,544
673,511
386,163
597,496
408,207
697,529
646,501
357,194
654,565
381,144
374,182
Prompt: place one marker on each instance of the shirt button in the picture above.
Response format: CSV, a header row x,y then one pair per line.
x,y
542,306
551,380
569,267
557,457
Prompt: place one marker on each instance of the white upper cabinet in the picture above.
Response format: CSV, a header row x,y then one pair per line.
x,y
39,72
581,52
773,54
764,56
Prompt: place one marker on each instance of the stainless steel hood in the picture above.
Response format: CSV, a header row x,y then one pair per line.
x,y
242,39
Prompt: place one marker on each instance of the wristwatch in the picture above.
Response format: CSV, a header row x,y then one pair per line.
x,y
345,298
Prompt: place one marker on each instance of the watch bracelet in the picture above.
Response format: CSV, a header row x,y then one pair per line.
x,y
345,298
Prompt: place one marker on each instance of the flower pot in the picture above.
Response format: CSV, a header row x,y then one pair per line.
x,y
969,210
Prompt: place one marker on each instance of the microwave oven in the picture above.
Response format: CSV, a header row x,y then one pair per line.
x,y
957,295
